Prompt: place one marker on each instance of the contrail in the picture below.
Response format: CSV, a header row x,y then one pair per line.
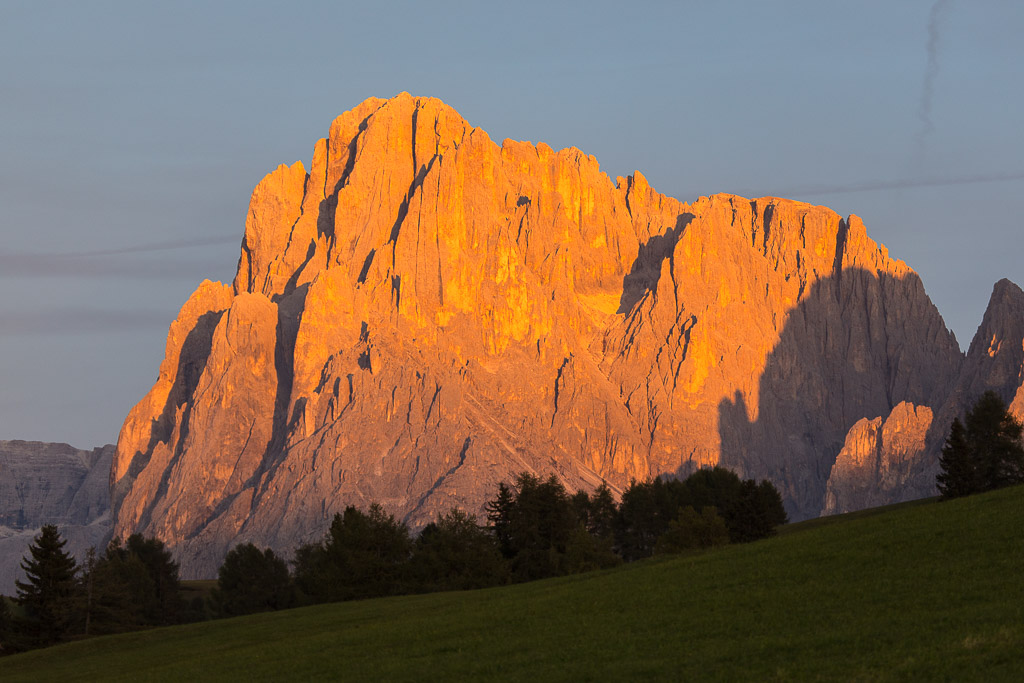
x,y
924,107
897,184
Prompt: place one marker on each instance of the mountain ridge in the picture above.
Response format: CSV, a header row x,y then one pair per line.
x,y
51,483
425,313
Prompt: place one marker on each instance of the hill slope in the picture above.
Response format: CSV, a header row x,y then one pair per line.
x,y
924,592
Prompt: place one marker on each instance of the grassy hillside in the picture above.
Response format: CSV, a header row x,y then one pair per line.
x,y
923,592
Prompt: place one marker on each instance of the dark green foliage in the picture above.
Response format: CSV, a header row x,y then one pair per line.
x,y
162,602
533,526
692,529
751,510
716,486
454,553
982,453
133,585
7,645
542,531
250,581
499,515
50,590
646,510
592,545
755,512
541,527
120,588
599,511
958,476
364,555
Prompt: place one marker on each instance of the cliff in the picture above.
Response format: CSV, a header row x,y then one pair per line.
x,y
898,459
51,483
423,312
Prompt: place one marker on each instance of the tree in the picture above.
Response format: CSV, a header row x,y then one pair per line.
x,y
755,513
499,515
958,476
133,585
121,590
592,546
982,453
364,555
251,580
49,593
692,529
454,553
535,524
6,628
162,603
751,509
600,512
646,510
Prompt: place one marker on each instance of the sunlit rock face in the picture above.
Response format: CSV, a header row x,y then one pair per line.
x,y
883,461
896,457
423,312
51,483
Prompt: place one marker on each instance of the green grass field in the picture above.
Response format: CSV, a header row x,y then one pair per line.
x,y
928,591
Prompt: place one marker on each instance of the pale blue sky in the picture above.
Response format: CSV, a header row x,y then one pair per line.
x,y
128,124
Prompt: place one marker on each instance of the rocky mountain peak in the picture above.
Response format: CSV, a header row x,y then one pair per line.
x,y
423,313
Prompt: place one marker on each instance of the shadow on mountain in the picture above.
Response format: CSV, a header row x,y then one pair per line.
x,y
854,346
645,272
195,352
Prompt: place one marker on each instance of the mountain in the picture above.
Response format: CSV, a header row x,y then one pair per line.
x,y
896,458
424,313
51,483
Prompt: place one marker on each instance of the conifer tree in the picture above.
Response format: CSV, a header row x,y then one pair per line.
x,y
49,593
252,580
983,452
958,476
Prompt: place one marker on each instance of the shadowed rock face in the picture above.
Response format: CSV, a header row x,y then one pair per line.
x,y
51,483
423,313
896,457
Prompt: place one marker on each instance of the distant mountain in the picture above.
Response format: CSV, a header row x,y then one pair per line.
x,y
51,483
424,313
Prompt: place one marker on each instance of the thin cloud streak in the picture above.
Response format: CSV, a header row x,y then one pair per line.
x,y
70,321
899,184
30,265
161,246
103,263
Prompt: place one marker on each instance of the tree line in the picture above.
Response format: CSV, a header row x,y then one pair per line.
x,y
534,529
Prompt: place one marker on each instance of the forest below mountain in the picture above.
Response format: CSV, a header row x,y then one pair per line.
x,y
920,591
535,530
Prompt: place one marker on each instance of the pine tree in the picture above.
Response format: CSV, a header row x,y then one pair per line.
x,y
983,452
499,514
454,553
958,476
50,592
363,555
252,580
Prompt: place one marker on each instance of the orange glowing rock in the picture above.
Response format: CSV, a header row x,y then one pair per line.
x,y
426,312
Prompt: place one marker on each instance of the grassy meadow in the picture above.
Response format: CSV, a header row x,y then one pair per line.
x,y
925,591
